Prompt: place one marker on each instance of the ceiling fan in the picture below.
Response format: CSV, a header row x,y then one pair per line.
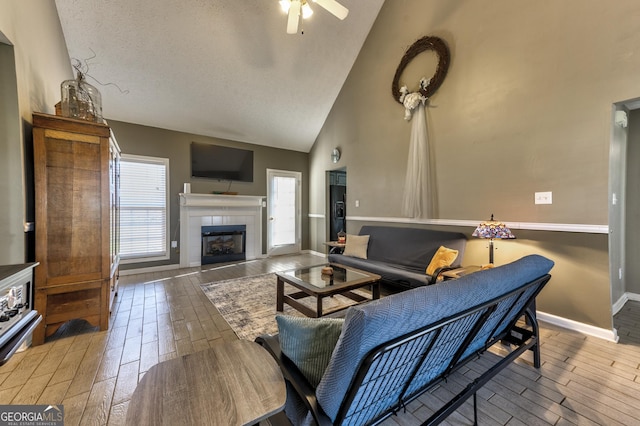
x,y
297,7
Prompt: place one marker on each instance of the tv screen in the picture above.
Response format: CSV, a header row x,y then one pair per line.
x,y
221,162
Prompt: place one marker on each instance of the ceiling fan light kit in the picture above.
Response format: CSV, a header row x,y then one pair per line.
x,y
294,17
295,7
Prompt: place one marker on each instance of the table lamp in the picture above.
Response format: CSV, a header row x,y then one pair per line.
x,y
492,229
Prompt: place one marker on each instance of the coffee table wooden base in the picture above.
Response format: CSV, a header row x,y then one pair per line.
x,y
292,298
236,383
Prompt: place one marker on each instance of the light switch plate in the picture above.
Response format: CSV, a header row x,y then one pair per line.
x,y
543,198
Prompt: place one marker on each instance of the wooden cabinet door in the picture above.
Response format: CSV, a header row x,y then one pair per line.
x,y
72,216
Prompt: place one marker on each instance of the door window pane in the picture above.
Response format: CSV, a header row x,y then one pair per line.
x,y
284,210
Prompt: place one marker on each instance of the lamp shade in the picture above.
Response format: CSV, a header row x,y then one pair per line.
x,y
493,229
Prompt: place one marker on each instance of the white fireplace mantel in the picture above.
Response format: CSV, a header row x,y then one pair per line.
x,y
198,210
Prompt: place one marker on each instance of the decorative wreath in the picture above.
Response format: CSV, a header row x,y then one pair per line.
x,y
427,87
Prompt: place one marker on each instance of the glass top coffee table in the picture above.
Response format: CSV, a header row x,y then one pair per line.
x,y
311,282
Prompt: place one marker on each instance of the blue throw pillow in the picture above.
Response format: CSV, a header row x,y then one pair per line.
x,y
309,343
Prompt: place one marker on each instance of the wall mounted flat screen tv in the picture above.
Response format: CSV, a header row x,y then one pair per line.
x,y
221,162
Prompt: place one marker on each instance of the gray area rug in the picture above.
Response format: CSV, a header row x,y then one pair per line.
x,y
249,304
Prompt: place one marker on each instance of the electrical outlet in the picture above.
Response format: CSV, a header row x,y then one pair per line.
x,y
543,198
174,244
357,203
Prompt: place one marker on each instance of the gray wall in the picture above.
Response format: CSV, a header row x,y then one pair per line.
x,y
525,107
143,140
33,62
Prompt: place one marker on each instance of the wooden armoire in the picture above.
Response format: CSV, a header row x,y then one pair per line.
x,y
76,169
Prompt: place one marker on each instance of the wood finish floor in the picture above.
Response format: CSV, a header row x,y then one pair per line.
x,y
159,316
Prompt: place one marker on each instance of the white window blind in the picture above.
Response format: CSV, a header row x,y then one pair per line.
x,y
143,207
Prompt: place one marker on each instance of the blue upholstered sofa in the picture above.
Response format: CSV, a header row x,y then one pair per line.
x,y
391,350
401,255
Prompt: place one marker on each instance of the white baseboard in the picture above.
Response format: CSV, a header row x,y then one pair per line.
x,y
124,272
315,253
589,330
620,303
624,299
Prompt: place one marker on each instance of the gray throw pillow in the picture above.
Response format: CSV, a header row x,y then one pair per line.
x,y
309,343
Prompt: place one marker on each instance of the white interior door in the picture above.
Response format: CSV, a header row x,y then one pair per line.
x,y
283,212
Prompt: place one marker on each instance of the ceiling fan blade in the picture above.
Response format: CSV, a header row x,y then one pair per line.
x,y
294,17
332,6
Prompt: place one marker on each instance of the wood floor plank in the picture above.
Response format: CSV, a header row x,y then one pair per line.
x,y
54,394
150,331
74,408
210,330
69,366
86,373
595,413
126,382
50,362
98,405
32,389
117,336
131,349
148,355
118,414
8,393
110,364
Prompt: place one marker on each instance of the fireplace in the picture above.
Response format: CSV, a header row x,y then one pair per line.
x,y
198,210
226,243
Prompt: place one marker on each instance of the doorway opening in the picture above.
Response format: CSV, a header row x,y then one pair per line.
x,y
284,210
16,167
624,205
337,198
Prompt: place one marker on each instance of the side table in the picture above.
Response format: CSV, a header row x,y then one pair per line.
x,y
335,247
236,383
459,272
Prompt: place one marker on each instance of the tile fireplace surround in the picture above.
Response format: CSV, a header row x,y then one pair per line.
x,y
198,210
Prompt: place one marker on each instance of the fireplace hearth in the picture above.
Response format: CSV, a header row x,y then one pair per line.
x,y
226,243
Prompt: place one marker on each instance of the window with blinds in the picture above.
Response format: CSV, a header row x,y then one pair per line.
x,y
144,218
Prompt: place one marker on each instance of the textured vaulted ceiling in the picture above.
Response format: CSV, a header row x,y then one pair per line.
x,y
222,68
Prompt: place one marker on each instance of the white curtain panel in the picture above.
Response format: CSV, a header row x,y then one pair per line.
x,y
417,197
